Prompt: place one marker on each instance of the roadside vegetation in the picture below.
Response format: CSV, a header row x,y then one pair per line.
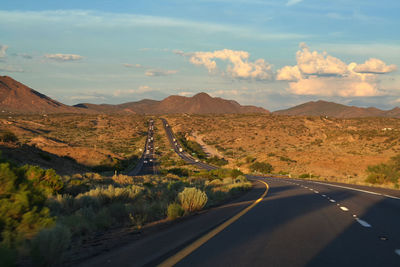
x,y
331,149
385,173
42,214
99,143
196,150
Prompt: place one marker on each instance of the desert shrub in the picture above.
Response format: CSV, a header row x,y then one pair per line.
x,y
122,179
217,161
241,179
283,158
304,175
102,219
227,180
250,159
192,146
22,207
382,173
179,171
192,199
113,194
48,180
174,211
8,137
262,167
49,246
235,173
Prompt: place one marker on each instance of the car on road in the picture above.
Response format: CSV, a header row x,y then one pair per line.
x,y
145,161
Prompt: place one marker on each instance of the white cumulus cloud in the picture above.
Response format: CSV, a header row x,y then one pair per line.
x,y
321,74
319,63
239,65
63,57
289,73
375,66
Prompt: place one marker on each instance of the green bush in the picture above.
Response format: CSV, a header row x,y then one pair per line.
x,y
48,180
192,146
192,199
262,167
8,137
174,211
22,207
49,246
217,161
382,173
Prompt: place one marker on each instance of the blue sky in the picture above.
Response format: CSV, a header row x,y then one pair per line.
x,y
273,54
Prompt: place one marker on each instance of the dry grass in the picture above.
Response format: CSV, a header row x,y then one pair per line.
x,y
333,149
91,140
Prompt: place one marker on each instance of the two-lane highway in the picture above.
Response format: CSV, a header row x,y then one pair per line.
x,y
297,223
180,151
147,163
308,224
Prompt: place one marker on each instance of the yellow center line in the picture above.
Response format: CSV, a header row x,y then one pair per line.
x,y
171,261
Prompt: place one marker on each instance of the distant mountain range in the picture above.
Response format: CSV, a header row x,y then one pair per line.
x,y
331,109
200,103
18,98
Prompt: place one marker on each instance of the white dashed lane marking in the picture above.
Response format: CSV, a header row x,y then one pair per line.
x,y
344,208
397,251
363,223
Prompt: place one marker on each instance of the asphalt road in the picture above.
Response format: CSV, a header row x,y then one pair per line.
x,y
303,223
147,163
298,223
180,150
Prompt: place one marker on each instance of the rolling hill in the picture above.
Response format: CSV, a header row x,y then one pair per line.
x,y
331,109
18,98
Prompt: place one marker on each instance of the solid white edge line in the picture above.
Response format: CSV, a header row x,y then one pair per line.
x,y
360,190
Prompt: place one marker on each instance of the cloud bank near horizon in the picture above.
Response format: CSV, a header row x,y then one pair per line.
x,y
238,66
324,75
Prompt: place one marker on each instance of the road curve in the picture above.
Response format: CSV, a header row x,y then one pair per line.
x,y
180,151
298,223
303,223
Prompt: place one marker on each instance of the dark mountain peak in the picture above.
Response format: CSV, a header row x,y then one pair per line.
x,y
202,95
19,98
